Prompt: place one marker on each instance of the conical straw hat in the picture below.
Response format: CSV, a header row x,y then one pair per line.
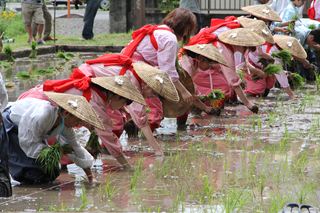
x,y
173,109
120,85
157,80
258,27
78,106
208,51
241,37
291,44
263,11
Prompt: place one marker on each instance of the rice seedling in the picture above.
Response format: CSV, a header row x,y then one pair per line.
x,y
307,191
24,75
93,145
5,64
63,55
33,53
318,81
49,159
41,72
107,190
136,175
297,80
284,141
285,57
235,199
277,202
312,27
9,53
300,163
84,199
207,191
271,69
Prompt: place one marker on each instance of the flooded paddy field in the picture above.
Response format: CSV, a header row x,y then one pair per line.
x,y
237,162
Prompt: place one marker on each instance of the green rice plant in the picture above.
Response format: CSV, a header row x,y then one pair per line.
x,y
235,199
107,190
256,123
272,69
272,116
307,191
298,81
300,163
5,65
284,141
136,175
317,81
285,57
64,55
277,202
49,159
178,201
42,72
207,191
33,53
93,145
9,53
215,94
84,199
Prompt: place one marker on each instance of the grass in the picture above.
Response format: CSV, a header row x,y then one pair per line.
x,y
113,39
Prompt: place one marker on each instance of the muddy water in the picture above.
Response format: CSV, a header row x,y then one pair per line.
x,y
236,162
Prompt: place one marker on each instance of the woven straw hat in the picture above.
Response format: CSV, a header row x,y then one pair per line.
x,y
157,80
241,37
258,27
263,11
173,109
291,44
208,51
78,106
120,85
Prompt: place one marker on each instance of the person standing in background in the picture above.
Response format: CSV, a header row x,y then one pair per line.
x,y
88,19
194,6
47,24
32,10
280,5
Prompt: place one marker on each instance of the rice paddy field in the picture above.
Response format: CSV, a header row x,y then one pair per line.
x,y
237,162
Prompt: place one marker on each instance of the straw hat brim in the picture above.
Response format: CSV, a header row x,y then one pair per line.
x,y
241,37
174,109
78,106
122,86
208,51
263,11
258,27
157,80
291,44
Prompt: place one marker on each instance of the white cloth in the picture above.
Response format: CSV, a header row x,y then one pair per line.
x,y
35,119
280,5
3,94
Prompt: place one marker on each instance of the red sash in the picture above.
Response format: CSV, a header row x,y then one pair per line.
x,y
139,34
76,80
312,11
117,59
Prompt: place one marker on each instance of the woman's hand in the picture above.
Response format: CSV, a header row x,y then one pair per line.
x,y
185,94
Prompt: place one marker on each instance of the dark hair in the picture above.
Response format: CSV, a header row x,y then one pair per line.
x,y
316,35
182,21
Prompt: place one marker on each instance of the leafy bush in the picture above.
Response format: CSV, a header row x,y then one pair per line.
x,y
168,5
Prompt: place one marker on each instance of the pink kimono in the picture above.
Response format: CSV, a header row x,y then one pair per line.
x,y
163,57
206,80
257,87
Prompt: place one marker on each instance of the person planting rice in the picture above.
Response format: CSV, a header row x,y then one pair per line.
x,y
30,121
232,45
262,70
158,46
102,93
152,83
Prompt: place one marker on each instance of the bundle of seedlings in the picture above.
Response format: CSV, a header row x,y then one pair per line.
x,y
285,57
271,69
33,53
296,80
93,145
292,24
215,99
49,159
63,55
9,54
